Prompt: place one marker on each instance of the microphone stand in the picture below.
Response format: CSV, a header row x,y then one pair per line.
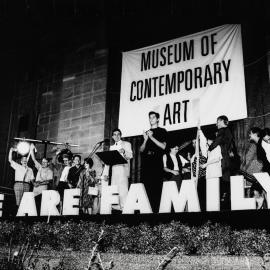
x,y
95,148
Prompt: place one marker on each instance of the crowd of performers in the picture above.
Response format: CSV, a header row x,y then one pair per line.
x,y
213,156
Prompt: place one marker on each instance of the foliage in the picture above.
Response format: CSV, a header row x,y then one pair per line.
x,y
207,239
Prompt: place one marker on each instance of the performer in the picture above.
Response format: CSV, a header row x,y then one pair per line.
x,y
44,175
152,150
224,139
255,158
264,149
23,176
63,183
120,172
173,165
259,194
89,202
213,164
57,167
74,172
255,161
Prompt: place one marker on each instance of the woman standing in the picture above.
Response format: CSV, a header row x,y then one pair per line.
x,y
88,182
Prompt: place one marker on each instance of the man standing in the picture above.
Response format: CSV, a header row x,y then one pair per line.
x,y
23,176
74,172
120,172
63,183
224,139
44,175
152,150
257,155
263,150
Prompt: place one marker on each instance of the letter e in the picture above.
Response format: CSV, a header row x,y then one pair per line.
x,y
71,202
109,197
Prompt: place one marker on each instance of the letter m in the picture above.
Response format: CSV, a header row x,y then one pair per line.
x,y
145,63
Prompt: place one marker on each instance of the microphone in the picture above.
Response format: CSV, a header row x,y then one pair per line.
x,y
106,141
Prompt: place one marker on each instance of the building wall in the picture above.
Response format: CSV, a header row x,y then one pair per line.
x,y
67,105
74,110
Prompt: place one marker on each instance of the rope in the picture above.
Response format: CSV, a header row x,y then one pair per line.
x,y
6,188
252,117
257,60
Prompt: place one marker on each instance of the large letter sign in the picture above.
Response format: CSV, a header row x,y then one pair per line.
x,y
1,204
187,196
169,77
238,201
137,200
49,202
71,201
110,197
27,205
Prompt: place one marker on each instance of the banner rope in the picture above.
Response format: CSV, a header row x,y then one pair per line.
x,y
6,187
257,60
252,117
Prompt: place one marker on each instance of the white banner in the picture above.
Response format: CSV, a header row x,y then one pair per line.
x,y
200,76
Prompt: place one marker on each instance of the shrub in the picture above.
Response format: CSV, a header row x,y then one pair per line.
x,y
250,242
209,238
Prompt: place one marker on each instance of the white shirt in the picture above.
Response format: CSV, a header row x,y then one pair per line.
x,y
43,174
175,163
266,147
22,174
127,155
214,170
64,174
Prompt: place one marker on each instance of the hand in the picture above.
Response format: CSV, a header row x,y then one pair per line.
x,y
150,133
54,149
36,184
105,178
145,135
121,151
185,170
203,166
175,172
98,180
32,147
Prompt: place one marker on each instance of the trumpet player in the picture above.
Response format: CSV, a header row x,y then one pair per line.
x,y
23,175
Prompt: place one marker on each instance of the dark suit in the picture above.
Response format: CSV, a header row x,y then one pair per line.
x,y
225,140
261,155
